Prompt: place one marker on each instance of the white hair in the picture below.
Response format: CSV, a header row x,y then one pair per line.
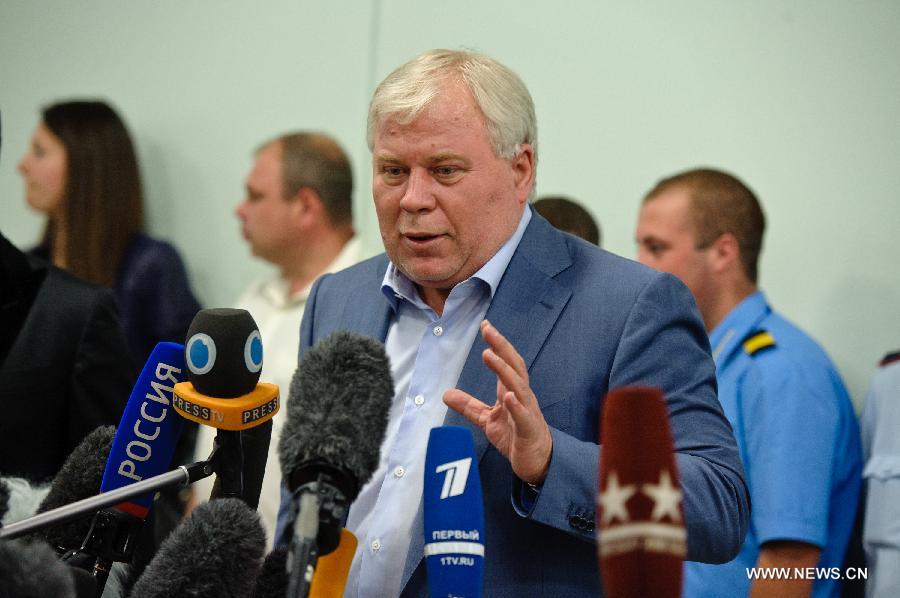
x,y
498,92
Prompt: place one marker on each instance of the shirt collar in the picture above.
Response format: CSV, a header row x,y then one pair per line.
x,y
739,322
277,289
396,285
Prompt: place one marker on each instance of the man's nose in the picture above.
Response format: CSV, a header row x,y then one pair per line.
x,y
418,195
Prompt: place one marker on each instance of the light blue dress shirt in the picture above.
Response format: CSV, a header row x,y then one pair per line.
x,y
799,442
427,354
881,443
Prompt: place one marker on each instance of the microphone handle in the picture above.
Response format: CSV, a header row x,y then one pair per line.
x,y
254,448
301,561
184,475
228,463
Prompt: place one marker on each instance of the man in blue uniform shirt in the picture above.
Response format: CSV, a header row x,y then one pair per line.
x,y
793,420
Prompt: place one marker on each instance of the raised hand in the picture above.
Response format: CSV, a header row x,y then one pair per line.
x,y
515,424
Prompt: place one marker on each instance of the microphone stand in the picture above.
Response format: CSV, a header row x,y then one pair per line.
x,y
111,537
182,476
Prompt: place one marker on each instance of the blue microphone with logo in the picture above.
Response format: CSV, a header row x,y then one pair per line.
x,y
142,448
453,515
149,429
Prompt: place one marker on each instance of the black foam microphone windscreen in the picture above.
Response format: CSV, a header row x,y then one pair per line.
x,y
79,477
337,409
223,352
32,570
4,498
224,358
217,552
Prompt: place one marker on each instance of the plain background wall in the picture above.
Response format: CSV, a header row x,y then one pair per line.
x,y
799,99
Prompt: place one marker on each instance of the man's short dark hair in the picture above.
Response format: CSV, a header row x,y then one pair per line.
x,y
721,203
315,160
568,216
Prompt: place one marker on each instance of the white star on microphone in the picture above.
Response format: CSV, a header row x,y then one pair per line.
x,y
666,497
612,500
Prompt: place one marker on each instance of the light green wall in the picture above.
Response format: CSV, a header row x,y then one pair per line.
x,y
800,99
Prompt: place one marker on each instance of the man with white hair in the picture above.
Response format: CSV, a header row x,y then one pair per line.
x,y
472,278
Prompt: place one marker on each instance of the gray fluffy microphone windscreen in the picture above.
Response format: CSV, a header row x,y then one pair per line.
x,y
22,499
32,570
217,552
337,408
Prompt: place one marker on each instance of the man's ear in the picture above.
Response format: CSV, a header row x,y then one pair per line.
x,y
523,171
725,253
306,206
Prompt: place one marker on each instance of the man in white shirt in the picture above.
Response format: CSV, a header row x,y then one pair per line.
x,y
296,215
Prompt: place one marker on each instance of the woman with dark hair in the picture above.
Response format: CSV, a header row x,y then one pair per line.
x,y
82,172
64,364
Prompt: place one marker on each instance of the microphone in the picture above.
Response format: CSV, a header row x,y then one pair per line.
x,y
453,511
332,569
23,499
272,581
148,431
109,459
138,452
79,477
217,551
143,447
4,498
642,540
331,442
327,582
32,570
224,357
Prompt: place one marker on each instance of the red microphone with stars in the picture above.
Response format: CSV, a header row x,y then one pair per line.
x,y
641,538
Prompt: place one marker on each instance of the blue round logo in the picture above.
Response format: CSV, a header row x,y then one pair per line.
x,y
253,352
200,353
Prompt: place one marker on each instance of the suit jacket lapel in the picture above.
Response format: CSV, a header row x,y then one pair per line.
x,y
374,317
524,309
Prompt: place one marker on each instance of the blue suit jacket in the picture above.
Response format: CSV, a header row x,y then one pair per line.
x,y
585,321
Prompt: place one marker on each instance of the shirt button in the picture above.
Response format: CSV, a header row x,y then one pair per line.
x,y
419,400
376,545
438,331
399,472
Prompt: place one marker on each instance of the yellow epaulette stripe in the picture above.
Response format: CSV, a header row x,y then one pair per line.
x,y
758,341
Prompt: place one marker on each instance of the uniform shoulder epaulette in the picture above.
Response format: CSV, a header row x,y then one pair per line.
x,y
889,359
757,341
